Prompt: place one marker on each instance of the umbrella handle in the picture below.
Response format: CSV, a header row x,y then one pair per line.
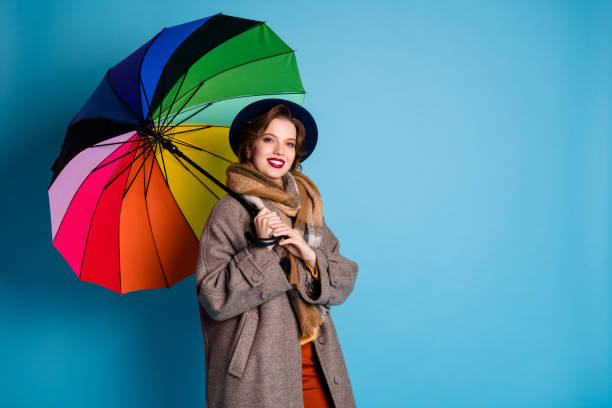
x,y
261,241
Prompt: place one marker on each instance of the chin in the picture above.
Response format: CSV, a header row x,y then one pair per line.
x,y
276,174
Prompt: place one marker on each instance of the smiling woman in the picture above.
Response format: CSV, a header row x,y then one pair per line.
x,y
276,123
274,151
265,310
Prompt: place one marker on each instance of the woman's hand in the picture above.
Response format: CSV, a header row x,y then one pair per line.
x,y
264,221
295,243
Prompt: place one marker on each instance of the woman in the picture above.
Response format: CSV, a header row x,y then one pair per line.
x,y
268,333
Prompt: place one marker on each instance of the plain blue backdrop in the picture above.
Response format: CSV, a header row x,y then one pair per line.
x,y
464,161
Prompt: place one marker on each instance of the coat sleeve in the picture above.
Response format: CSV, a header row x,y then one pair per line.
x,y
337,274
231,281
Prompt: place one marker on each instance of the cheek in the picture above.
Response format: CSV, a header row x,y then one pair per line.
x,y
258,152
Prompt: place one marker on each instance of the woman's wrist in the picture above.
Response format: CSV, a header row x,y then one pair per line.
x,y
311,259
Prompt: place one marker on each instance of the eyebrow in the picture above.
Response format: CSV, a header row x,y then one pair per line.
x,y
268,133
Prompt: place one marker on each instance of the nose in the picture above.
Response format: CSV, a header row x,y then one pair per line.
x,y
279,149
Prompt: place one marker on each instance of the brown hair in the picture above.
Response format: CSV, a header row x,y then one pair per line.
x,y
253,129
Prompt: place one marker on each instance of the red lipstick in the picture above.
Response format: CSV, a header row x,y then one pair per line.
x,y
276,163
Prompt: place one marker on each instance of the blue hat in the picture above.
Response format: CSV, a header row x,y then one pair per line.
x,y
258,107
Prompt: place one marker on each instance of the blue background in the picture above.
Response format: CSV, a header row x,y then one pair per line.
x,y
464,162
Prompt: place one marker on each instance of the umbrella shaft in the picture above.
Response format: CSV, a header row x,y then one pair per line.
x,y
249,206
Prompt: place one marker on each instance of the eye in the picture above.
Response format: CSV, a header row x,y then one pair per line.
x,y
267,138
291,144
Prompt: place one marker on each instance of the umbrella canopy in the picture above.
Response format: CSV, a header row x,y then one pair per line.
x,y
128,208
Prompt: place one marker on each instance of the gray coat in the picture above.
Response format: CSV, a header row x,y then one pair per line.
x,y
251,341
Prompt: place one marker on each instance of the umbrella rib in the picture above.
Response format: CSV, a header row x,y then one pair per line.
x,y
87,239
161,154
199,148
181,108
148,149
149,217
190,116
187,144
161,105
120,157
151,169
196,129
144,91
173,101
197,178
124,169
231,68
142,57
119,245
125,141
155,243
119,96
174,198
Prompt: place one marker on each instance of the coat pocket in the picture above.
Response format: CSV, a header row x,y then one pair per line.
x,y
242,346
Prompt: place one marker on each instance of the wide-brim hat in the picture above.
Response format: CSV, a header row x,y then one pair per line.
x,y
263,105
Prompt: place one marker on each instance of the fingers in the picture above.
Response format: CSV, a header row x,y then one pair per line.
x,y
263,213
265,221
262,223
269,224
290,240
268,214
283,230
262,228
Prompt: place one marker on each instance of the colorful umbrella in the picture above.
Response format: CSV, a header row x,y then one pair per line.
x,y
127,206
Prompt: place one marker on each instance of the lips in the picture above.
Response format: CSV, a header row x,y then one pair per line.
x,y
276,163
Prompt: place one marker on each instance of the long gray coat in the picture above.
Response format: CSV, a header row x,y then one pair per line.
x,y
252,348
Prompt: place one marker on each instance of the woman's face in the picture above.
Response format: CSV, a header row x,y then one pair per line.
x,y
273,153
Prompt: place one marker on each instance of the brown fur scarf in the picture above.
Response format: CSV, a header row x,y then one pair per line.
x,y
299,205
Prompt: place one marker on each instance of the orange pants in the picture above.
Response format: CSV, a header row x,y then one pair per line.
x,y
314,388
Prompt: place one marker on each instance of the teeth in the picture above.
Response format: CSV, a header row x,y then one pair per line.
x,y
276,162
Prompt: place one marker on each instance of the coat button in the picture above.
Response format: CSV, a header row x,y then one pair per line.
x,y
256,277
265,295
322,339
337,379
